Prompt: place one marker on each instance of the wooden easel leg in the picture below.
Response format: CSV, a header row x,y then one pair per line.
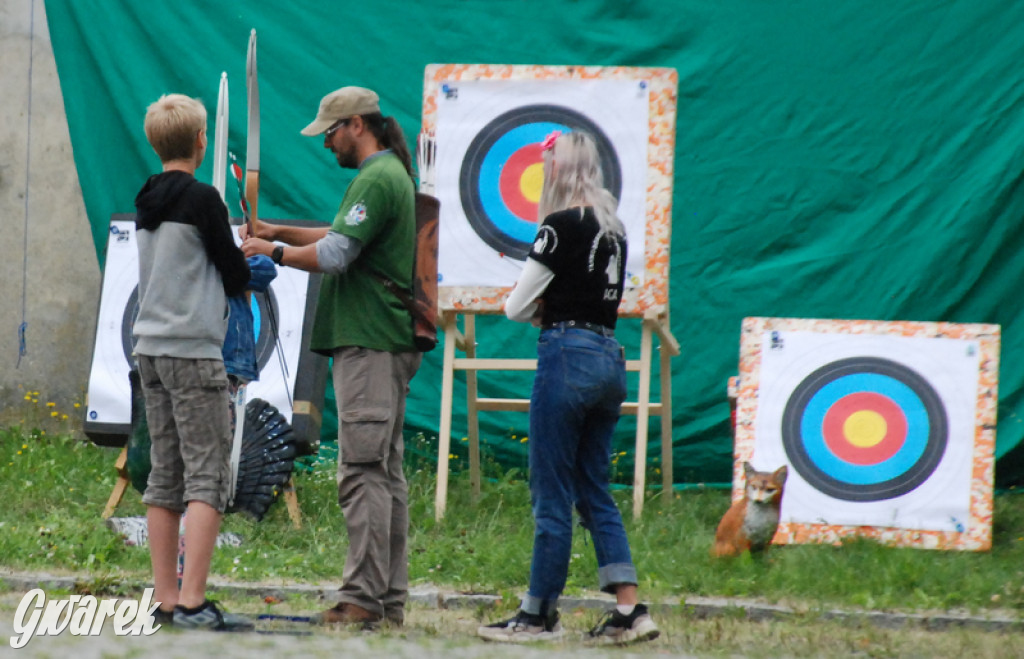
x,y
123,481
292,501
445,430
666,425
473,429
642,416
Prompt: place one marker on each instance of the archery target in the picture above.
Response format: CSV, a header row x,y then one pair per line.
x,y
864,429
282,306
502,173
263,305
489,167
878,430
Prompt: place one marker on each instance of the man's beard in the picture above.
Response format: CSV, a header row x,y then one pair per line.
x,y
347,159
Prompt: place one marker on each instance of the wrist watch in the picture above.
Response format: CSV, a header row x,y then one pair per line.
x,y
277,254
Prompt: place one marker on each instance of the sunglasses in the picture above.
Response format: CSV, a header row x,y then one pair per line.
x,y
338,124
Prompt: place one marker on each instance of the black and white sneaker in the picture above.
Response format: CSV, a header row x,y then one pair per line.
x,y
523,628
618,629
163,618
209,616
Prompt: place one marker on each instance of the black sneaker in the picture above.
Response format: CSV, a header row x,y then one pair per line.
x,y
209,616
163,618
523,628
617,629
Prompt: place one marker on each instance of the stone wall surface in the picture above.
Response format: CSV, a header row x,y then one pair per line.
x,y
50,275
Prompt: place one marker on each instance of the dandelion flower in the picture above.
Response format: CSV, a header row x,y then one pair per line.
x,y
77,405
51,404
523,440
54,413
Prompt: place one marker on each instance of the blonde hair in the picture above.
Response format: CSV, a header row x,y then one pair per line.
x,y
572,177
172,124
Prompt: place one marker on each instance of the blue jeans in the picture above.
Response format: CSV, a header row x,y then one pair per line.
x,y
579,388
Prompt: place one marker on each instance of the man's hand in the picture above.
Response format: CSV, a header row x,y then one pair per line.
x,y
261,230
253,246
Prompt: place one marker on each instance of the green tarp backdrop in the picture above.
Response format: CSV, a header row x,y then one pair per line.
x,y
833,160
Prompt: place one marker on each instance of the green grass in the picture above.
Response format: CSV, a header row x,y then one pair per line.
x,y
54,488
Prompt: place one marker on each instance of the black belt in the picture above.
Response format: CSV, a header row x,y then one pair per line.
x,y
581,324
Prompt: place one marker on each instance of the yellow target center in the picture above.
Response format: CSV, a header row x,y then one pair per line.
x,y
865,428
531,182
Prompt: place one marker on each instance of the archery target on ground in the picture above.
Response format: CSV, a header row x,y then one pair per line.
x,y
865,429
878,422
283,306
490,173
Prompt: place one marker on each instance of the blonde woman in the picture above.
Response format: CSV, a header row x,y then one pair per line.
x,y
571,287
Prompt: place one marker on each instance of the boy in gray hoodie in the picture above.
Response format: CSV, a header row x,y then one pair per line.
x,y
188,266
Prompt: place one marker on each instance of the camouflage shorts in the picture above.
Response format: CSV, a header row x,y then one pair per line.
x,y
189,425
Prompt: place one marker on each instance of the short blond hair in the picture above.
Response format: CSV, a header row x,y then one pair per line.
x,y
172,124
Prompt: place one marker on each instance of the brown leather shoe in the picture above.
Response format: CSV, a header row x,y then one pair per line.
x,y
346,614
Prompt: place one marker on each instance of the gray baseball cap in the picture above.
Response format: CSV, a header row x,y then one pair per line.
x,y
341,104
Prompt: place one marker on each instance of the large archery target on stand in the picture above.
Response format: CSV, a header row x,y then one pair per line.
x,y
502,173
880,428
489,170
108,413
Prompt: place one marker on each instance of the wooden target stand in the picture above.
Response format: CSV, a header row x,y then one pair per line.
x,y
636,107
655,322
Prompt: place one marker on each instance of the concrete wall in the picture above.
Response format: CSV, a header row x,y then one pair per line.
x,y
46,256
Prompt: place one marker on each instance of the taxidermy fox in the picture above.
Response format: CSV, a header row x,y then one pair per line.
x,y
750,523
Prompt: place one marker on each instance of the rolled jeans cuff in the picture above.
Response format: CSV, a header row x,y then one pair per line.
x,y
535,605
615,574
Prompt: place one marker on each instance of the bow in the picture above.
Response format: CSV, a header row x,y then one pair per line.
x,y
252,152
220,138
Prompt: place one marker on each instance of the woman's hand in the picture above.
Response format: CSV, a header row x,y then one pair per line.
x,y
539,313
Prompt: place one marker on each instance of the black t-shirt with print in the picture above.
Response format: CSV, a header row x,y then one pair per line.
x,y
589,268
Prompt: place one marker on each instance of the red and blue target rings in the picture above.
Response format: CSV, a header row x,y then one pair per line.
x,y
865,429
502,173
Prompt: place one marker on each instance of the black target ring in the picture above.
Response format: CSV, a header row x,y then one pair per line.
x,y
474,203
805,446
264,338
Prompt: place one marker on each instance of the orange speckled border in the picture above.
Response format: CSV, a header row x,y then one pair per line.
x,y
977,535
663,85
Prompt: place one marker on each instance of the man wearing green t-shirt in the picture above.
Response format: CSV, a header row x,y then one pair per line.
x,y
367,331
